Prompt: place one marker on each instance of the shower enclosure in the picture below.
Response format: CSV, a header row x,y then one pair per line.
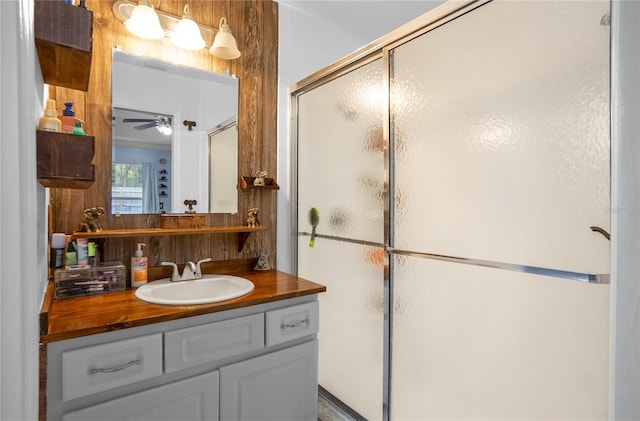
x,y
460,167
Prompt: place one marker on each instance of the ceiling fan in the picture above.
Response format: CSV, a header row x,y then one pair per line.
x,y
162,123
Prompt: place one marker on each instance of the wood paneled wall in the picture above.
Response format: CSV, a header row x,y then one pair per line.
x,y
255,25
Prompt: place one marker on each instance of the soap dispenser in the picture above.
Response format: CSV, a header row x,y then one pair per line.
x,y
138,268
49,122
69,119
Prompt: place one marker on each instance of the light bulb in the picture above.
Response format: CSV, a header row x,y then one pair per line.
x,y
187,34
144,22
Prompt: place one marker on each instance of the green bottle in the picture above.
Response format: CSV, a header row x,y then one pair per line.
x,y
78,129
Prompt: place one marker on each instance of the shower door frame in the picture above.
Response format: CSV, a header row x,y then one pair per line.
x,y
379,49
383,49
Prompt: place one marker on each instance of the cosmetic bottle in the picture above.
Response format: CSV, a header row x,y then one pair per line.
x,y
69,119
71,257
92,253
78,129
49,122
56,256
83,251
138,268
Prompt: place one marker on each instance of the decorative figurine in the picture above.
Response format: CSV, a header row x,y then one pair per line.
x,y
252,218
259,180
263,261
190,204
90,221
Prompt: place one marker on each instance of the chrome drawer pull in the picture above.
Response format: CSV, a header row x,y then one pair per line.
x,y
115,369
294,324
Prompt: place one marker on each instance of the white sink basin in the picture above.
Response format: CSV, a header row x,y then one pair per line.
x,y
209,289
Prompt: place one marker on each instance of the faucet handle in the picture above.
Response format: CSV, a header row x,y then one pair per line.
x,y
175,276
198,271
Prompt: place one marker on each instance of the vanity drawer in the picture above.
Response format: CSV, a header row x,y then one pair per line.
x,y
197,345
101,367
291,323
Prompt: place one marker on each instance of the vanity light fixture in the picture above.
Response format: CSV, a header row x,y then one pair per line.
x,y
224,45
187,34
144,21
221,42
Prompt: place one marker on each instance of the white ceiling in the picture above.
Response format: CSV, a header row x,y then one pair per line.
x,y
369,19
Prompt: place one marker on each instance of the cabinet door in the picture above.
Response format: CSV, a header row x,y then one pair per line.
x,y
280,386
192,399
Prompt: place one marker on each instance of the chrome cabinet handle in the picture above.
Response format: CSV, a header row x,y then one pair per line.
x,y
292,325
115,369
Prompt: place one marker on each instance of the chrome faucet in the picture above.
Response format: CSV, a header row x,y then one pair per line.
x,y
191,270
198,270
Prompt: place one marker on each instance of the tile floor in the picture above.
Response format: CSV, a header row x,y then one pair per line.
x,y
327,411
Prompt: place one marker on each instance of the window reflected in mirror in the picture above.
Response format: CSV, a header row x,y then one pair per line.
x,y
141,162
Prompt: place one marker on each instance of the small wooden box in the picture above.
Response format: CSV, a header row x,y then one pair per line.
x,y
182,221
65,160
64,42
197,220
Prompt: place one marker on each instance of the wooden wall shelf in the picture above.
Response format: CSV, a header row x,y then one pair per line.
x,y
63,37
242,231
246,183
65,160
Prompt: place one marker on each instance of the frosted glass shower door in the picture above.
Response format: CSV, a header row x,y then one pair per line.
x,y
502,135
500,130
341,172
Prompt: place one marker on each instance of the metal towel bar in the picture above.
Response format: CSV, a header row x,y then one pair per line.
x,y
592,278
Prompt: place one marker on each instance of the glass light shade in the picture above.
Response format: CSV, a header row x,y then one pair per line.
x,y
144,22
163,125
187,34
224,44
165,130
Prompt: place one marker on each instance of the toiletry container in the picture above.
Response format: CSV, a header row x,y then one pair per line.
x,y
71,257
83,251
93,253
56,257
69,119
49,122
138,268
77,130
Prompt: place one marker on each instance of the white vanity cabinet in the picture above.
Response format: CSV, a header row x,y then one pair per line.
x,y
253,363
279,386
193,399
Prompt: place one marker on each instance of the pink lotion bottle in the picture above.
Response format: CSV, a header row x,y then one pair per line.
x,y
69,119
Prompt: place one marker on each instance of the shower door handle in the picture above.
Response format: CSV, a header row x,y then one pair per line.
x,y
601,231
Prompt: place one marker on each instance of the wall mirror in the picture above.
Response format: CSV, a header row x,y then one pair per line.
x,y
174,138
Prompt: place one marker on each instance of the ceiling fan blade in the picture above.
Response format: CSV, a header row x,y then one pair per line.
x,y
145,126
137,120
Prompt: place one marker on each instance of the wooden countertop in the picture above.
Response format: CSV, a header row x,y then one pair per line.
x,y
74,317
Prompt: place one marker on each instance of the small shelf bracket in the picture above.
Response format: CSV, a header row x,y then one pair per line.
x,y
242,240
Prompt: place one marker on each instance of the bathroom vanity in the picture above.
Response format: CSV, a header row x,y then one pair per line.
x,y
115,357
